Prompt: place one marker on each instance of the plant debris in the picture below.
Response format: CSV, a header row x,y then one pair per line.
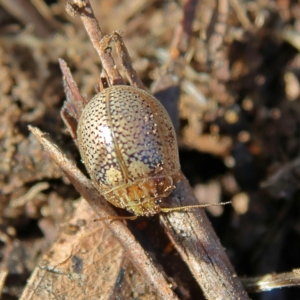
x,y
235,80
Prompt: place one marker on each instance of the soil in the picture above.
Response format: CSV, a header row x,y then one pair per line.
x,y
238,129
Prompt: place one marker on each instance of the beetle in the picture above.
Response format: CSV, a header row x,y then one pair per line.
x,y
129,147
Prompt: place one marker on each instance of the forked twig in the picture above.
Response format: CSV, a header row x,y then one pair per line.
x,y
104,210
191,232
84,9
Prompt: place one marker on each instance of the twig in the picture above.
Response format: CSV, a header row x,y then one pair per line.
x,y
216,40
3,275
241,14
123,54
75,103
272,281
198,245
100,42
104,210
71,90
284,182
182,37
31,193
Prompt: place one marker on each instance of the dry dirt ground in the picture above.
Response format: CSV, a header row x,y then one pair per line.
x,y
238,130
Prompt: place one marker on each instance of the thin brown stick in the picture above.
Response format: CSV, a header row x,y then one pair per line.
x,y
285,181
104,210
125,59
75,102
241,14
31,193
3,275
84,9
182,37
200,248
272,281
71,89
215,42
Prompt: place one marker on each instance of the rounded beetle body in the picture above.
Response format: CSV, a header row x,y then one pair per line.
x,y
128,145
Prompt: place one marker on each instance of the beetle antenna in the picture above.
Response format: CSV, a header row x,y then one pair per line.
x,y
116,218
190,207
165,210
